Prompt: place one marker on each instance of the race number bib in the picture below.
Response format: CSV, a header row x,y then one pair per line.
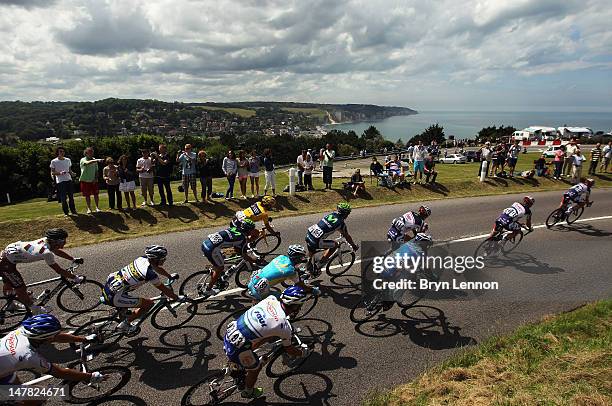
x,y
234,336
240,215
215,238
315,231
261,285
511,211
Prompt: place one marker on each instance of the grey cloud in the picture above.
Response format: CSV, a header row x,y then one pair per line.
x,y
27,3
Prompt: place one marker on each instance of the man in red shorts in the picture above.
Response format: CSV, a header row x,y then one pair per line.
x,y
89,178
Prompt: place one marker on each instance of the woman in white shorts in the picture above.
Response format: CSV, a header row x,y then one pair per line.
x,y
254,173
128,181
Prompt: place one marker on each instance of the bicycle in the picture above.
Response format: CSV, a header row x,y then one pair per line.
x,y
84,392
220,385
71,297
343,259
267,242
499,242
108,333
561,214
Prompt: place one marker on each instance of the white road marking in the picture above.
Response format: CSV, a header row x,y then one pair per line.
x,y
357,261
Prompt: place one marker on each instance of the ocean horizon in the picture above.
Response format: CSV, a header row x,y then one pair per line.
x,y
466,124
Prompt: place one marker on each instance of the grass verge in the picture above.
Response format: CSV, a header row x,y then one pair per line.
x,y
563,360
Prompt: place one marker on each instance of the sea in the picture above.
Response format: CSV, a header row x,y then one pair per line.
x,y
466,124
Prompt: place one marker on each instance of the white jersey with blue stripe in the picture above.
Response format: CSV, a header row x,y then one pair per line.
x,y
264,320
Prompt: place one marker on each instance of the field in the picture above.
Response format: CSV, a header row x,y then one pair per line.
x,y
318,113
232,110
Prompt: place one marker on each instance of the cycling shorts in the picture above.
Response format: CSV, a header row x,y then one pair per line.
x,y
395,235
238,349
9,273
213,254
575,198
503,224
314,244
119,298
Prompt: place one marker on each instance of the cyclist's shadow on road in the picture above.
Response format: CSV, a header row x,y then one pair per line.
x,y
582,228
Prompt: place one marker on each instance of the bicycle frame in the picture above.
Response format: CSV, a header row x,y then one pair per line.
x,y
45,297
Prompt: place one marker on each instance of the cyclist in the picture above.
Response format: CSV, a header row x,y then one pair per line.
x,y
508,219
315,237
410,221
282,268
45,248
579,194
233,237
257,212
19,351
266,321
120,284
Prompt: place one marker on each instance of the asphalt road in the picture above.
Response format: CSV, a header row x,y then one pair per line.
x,y
554,270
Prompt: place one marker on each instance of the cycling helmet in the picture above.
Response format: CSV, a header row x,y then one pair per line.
x,y
293,295
246,225
424,211
344,208
41,326
56,234
590,182
296,251
268,201
528,201
156,252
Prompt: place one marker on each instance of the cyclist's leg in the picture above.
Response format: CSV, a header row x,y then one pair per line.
x,y
122,299
514,228
330,247
13,283
215,257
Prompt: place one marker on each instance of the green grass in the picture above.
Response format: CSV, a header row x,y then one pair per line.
x,y
232,110
318,113
31,218
563,360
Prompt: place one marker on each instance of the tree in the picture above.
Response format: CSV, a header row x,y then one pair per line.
x,y
399,143
432,133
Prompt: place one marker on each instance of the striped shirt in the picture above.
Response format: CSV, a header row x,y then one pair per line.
x,y
596,154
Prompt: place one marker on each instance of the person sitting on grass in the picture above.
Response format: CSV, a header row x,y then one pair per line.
x,y
357,182
430,172
527,174
376,167
540,166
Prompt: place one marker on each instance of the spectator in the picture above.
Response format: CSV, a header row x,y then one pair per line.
x,y
409,152
301,159
429,168
502,153
187,159
558,161
110,173
485,156
269,172
527,174
540,166
513,154
62,173
418,156
127,177
164,174
230,169
495,160
578,159
206,171
596,154
357,183
569,161
308,164
243,173
607,156
254,174
144,167
327,159
89,178
376,167
394,167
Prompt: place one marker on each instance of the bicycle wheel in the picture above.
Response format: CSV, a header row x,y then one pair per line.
x,y
487,248
306,308
574,215
212,390
341,261
195,284
80,298
222,327
179,314
82,392
510,244
104,328
243,276
266,244
281,364
554,217
365,309
12,313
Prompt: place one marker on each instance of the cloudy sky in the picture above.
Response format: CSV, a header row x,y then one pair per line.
x,y
430,55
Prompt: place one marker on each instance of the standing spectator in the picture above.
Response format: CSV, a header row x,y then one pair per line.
x,y
301,159
430,171
513,154
607,156
144,167
187,158
308,167
558,161
410,151
570,150
357,182
485,156
230,168
110,173
206,170
578,159
502,153
62,173
243,173
269,172
127,183
327,159
596,154
418,156
164,173
254,174
89,178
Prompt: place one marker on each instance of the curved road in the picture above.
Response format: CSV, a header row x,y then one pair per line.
x,y
547,276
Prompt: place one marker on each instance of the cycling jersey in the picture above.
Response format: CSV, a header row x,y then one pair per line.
x,y
230,238
278,270
409,249
578,193
326,226
17,354
30,251
510,216
129,278
401,225
255,212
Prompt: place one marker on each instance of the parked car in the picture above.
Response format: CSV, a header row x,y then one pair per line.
x,y
550,152
453,159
